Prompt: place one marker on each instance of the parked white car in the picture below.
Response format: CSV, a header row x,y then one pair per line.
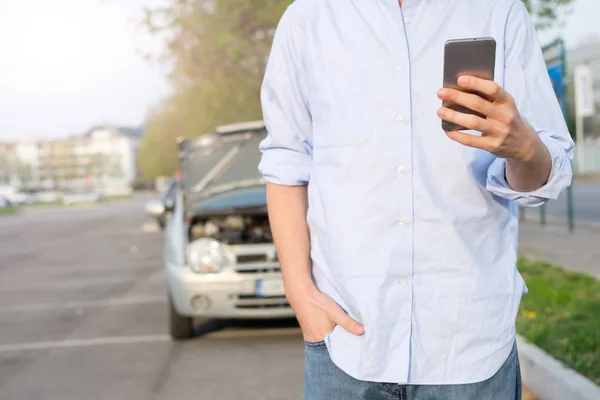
x,y
219,256
23,198
13,195
4,203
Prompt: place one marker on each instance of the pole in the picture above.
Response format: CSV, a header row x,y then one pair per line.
x,y
543,215
521,214
580,147
570,210
565,109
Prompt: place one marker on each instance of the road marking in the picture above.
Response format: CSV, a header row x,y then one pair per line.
x,y
78,343
78,283
124,301
74,343
150,227
246,333
27,272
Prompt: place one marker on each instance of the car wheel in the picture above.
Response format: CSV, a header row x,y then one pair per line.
x,y
181,327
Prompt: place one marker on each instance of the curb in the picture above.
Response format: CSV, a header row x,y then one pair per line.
x,y
534,255
549,379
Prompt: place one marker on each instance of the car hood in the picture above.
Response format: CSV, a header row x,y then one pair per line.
x,y
221,172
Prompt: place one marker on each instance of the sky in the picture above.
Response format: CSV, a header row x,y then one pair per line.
x,y
66,65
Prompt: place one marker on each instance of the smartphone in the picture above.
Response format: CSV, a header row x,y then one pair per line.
x,y
473,56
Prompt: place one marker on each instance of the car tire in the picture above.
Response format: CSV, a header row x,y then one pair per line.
x,y
181,327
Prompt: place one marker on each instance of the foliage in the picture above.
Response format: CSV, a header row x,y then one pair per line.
x,y
547,12
216,51
560,315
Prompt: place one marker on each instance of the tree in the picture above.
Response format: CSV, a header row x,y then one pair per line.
x,y
217,50
546,12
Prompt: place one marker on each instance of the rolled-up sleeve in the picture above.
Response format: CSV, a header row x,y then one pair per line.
x,y
526,79
287,149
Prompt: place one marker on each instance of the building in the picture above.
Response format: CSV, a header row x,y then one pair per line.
x,y
102,159
587,53
7,163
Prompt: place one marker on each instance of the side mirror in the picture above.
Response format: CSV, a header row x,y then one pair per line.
x,y
169,205
155,208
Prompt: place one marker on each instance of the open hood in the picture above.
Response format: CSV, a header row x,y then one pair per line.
x,y
222,161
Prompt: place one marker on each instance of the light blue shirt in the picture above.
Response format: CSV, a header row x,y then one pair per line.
x,y
412,234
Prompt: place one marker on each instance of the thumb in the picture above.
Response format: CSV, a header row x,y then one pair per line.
x,y
342,319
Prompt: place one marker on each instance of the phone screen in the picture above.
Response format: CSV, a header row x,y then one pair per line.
x,y
475,57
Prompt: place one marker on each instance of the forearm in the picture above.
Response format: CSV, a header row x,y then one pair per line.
x,y
532,171
287,214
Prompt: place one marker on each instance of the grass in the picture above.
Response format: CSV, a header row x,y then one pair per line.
x,y
55,204
561,315
9,210
115,198
44,204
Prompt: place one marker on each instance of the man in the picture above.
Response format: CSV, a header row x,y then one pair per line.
x,y
398,241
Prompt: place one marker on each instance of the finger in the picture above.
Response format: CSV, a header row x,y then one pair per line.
x,y
479,142
484,86
469,121
471,101
317,333
342,319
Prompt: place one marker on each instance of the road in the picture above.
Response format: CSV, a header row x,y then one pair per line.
x,y
83,316
586,204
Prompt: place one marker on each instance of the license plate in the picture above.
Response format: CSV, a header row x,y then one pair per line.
x,y
269,288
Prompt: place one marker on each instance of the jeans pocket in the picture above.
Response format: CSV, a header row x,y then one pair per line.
x,y
320,343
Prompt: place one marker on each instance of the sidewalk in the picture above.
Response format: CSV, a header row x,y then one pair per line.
x,y
577,251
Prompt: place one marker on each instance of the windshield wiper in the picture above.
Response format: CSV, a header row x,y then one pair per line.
x,y
225,162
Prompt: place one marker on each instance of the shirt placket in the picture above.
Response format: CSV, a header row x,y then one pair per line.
x,y
406,22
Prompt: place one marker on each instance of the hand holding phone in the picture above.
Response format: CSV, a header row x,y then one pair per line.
x,y
468,78
473,57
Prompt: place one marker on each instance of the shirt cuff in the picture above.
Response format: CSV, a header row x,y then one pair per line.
x,y
285,167
559,179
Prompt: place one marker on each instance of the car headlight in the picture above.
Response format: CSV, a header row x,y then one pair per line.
x,y
208,256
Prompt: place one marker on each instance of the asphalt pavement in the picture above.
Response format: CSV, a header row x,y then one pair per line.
x,y
586,204
83,316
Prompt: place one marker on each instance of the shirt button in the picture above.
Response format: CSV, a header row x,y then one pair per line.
x,y
400,169
401,222
404,282
399,67
407,20
399,118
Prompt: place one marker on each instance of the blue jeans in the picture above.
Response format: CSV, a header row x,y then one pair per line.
x,y
323,380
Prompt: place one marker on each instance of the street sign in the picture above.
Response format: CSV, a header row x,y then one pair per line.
x,y
556,71
584,94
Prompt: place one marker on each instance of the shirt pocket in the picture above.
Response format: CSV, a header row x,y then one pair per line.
x,y
343,109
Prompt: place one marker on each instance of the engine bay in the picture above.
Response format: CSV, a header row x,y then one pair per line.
x,y
233,229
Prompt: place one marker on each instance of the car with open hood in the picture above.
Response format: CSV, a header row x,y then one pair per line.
x,y
219,256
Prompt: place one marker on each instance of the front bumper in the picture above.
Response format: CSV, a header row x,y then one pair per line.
x,y
227,294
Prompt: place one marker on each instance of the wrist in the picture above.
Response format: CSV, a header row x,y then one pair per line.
x,y
300,292
532,152
530,147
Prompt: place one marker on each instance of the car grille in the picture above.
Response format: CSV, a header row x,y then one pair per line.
x,y
251,301
256,259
